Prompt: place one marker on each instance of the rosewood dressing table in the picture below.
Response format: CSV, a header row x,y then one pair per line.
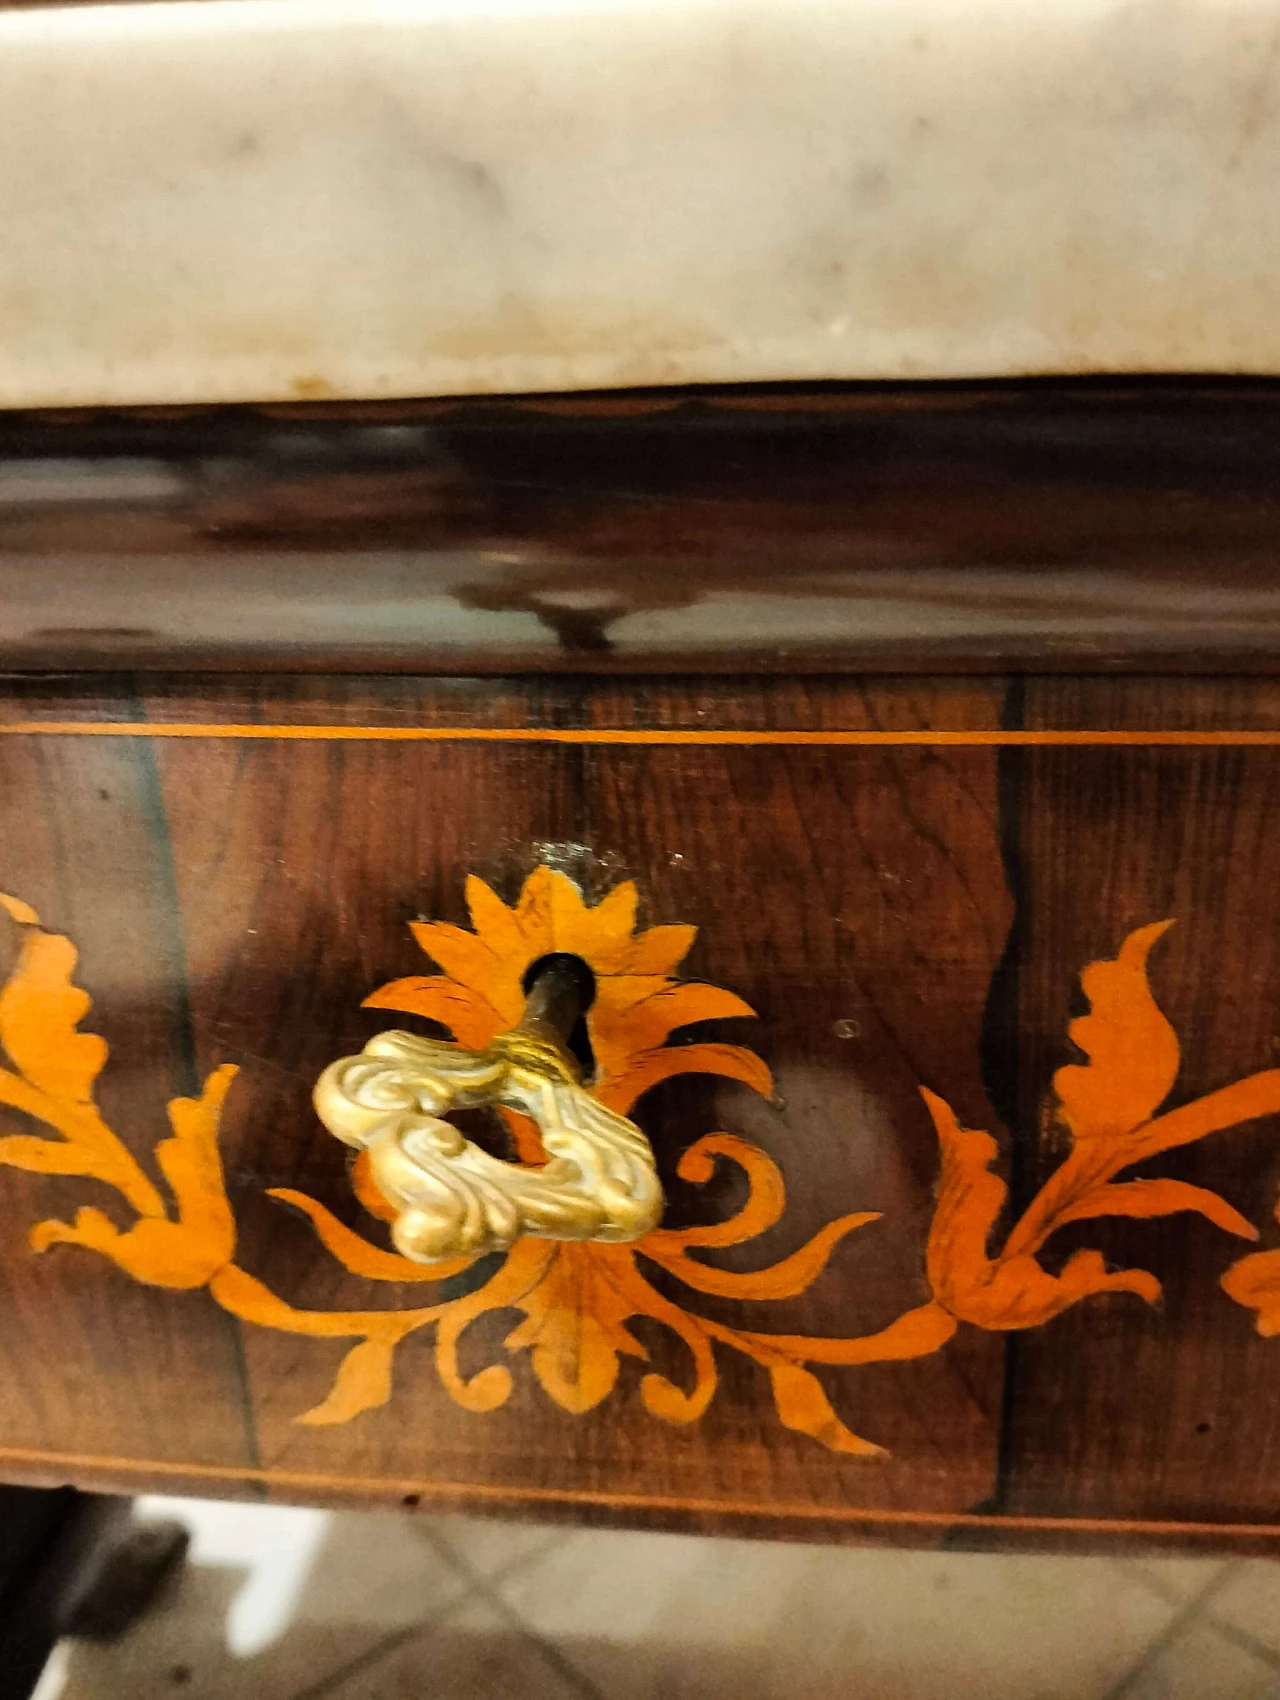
x,y
648,615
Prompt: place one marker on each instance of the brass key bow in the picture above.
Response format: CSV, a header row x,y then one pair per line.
x,y
453,1198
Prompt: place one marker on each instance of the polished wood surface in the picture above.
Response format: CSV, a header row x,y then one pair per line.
x,y
930,528
1107,841
899,917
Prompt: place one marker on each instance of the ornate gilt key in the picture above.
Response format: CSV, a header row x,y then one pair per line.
x,y
456,1199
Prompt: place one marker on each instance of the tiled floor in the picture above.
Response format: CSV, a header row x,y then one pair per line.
x,y
306,1605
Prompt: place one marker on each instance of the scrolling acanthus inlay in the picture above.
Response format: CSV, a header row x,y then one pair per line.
x,y
577,1299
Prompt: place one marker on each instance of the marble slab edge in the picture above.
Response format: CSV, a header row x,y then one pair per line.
x,y
264,200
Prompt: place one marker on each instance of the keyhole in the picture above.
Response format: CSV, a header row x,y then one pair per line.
x,y
577,1040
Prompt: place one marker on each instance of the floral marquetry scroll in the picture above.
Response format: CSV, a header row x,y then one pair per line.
x,y
577,1301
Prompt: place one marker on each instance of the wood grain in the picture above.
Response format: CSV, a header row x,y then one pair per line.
x,y
83,836
1178,1410
294,869
898,916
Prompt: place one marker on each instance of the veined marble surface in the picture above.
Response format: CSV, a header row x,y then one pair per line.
x,y
284,199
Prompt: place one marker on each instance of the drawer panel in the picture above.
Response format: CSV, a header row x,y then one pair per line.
x,y
904,882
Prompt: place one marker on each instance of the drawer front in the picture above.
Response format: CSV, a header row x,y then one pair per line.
x,y
957,1242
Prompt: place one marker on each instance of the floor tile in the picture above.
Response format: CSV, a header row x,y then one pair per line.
x,y
646,1616
1201,1664
489,1546
1180,1579
368,1576
473,1653
1250,1600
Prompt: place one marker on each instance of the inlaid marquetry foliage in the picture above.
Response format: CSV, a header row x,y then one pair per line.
x,y
578,1301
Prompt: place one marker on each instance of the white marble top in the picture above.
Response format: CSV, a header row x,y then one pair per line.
x,y
282,199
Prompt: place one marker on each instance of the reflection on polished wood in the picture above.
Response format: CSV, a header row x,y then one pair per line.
x,y
848,528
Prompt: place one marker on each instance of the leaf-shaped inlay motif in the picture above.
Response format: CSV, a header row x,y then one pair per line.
x,y
577,1301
